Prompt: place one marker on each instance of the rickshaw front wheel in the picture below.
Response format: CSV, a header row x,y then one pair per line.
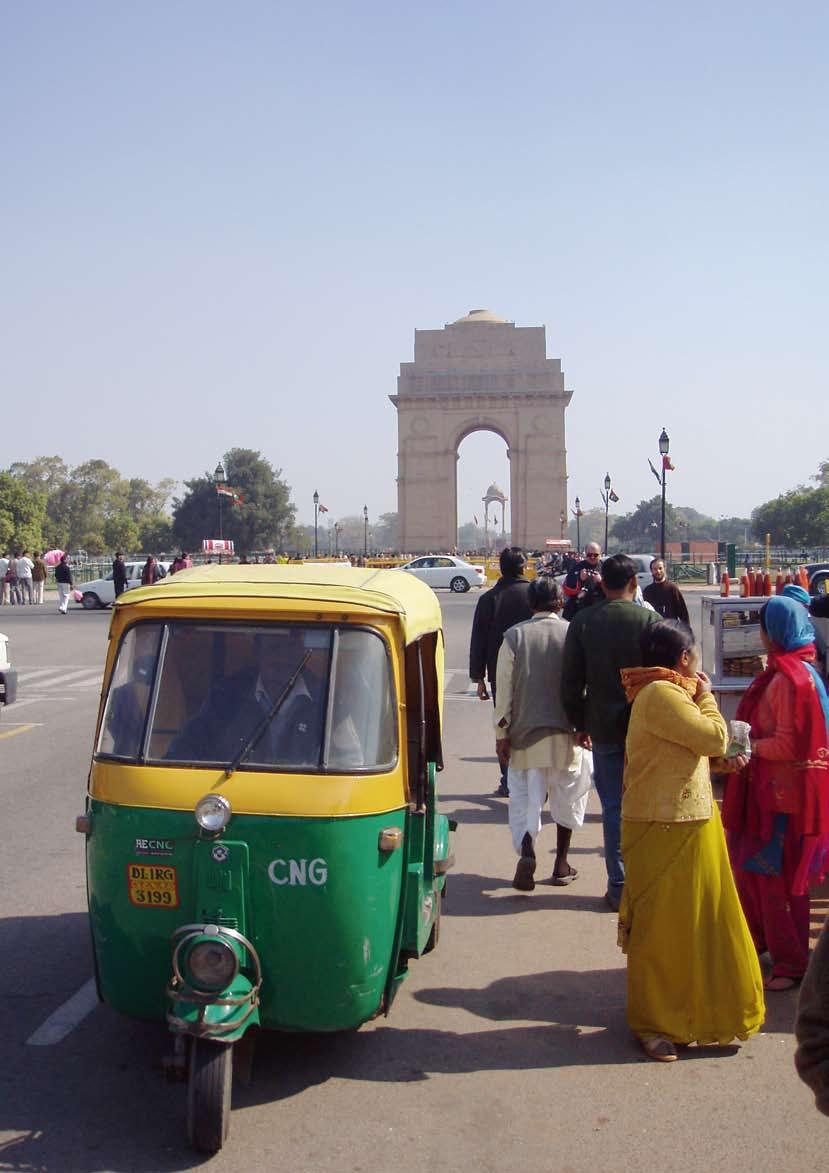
x,y
209,1083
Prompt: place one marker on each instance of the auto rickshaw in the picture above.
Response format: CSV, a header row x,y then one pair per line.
x,y
263,845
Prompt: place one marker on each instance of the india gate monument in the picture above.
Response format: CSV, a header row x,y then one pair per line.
x,y
479,374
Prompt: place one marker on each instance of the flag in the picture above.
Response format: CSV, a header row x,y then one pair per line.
x,y
234,494
323,508
613,496
668,464
653,470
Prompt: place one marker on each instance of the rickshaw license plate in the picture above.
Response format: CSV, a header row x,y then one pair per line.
x,y
152,885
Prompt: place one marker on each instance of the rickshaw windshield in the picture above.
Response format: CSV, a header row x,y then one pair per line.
x,y
195,693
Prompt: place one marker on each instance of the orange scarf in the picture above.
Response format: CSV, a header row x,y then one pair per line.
x,y
635,679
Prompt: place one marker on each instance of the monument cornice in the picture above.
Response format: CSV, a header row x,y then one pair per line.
x,y
478,402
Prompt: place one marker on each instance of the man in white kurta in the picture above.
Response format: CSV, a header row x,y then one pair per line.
x,y
534,736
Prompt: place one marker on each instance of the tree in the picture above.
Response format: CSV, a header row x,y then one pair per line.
x,y
22,513
797,518
262,519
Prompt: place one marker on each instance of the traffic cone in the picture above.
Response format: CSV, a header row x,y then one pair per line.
x,y
804,578
767,584
778,586
744,586
725,585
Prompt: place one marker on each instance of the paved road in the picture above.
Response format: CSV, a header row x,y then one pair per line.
x,y
506,1049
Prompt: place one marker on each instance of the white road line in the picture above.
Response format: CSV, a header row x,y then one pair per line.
x,y
58,676
64,1020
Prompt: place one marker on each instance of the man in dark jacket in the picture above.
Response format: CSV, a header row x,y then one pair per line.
x,y
119,574
499,608
663,595
600,641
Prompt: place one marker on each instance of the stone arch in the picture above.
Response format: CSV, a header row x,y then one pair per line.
x,y
480,373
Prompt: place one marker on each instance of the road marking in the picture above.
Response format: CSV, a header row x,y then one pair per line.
x,y
64,1020
14,732
60,677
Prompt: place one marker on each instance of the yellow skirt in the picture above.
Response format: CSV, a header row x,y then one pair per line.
x,y
693,973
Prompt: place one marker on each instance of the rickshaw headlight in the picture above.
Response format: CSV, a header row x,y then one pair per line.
x,y
211,964
213,812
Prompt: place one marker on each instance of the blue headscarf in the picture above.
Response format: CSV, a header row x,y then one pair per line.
x,y
787,624
793,591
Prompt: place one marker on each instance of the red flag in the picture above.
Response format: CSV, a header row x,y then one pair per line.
x,y
668,464
613,496
323,508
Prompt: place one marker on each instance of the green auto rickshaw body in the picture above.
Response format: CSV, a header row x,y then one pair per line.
x,y
324,883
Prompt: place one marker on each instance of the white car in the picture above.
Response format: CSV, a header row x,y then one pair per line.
x,y
8,676
100,592
445,570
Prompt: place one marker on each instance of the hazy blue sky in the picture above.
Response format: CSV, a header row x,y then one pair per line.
x,y
222,224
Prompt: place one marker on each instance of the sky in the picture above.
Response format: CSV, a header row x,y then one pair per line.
x,y
221,225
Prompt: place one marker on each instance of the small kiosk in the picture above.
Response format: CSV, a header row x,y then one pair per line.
x,y
732,648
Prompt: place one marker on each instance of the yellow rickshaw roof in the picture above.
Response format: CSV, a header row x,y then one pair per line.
x,y
363,590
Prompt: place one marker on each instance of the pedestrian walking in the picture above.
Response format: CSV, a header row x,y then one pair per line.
x,y
693,975
5,579
496,610
119,573
776,810
149,571
15,596
534,737
663,595
583,584
601,640
811,1026
63,578
39,575
24,577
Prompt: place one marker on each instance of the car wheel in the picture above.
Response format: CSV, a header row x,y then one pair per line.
x,y
459,585
820,584
90,601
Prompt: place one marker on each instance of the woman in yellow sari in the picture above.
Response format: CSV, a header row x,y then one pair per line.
x,y
693,972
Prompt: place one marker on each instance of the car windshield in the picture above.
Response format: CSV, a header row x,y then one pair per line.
x,y
196,693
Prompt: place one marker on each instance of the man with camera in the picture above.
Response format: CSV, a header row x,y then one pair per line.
x,y
583,584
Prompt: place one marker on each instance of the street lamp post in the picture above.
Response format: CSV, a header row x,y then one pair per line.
x,y
365,531
316,521
606,499
219,479
562,522
578,527
664,446
336,539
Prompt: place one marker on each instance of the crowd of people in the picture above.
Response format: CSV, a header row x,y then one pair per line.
x,y
598,682
22,578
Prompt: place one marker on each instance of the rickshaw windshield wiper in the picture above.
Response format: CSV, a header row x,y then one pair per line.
x,y
254,738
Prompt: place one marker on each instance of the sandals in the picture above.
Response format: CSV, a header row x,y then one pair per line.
x,y
775,984
658,1047
560,881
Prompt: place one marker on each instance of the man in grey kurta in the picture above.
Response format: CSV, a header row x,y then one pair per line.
x,y
535,737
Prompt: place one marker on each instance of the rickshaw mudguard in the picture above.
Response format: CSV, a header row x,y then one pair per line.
x,y
224,1023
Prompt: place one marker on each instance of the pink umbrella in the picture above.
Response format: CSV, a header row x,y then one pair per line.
x,y
52,557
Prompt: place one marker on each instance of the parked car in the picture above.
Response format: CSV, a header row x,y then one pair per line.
x,y
445,570
100,592
818,573
8,676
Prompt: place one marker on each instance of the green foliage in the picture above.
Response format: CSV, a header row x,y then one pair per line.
x,y
797,518
22,514
92,507
262,521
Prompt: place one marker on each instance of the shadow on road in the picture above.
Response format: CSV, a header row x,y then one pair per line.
x,y
469,895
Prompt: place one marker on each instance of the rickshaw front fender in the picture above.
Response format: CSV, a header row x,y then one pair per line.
x,y
224,1018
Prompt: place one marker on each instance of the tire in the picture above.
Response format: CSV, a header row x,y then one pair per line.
x,y
209,1084
90,601
820,584
459,585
